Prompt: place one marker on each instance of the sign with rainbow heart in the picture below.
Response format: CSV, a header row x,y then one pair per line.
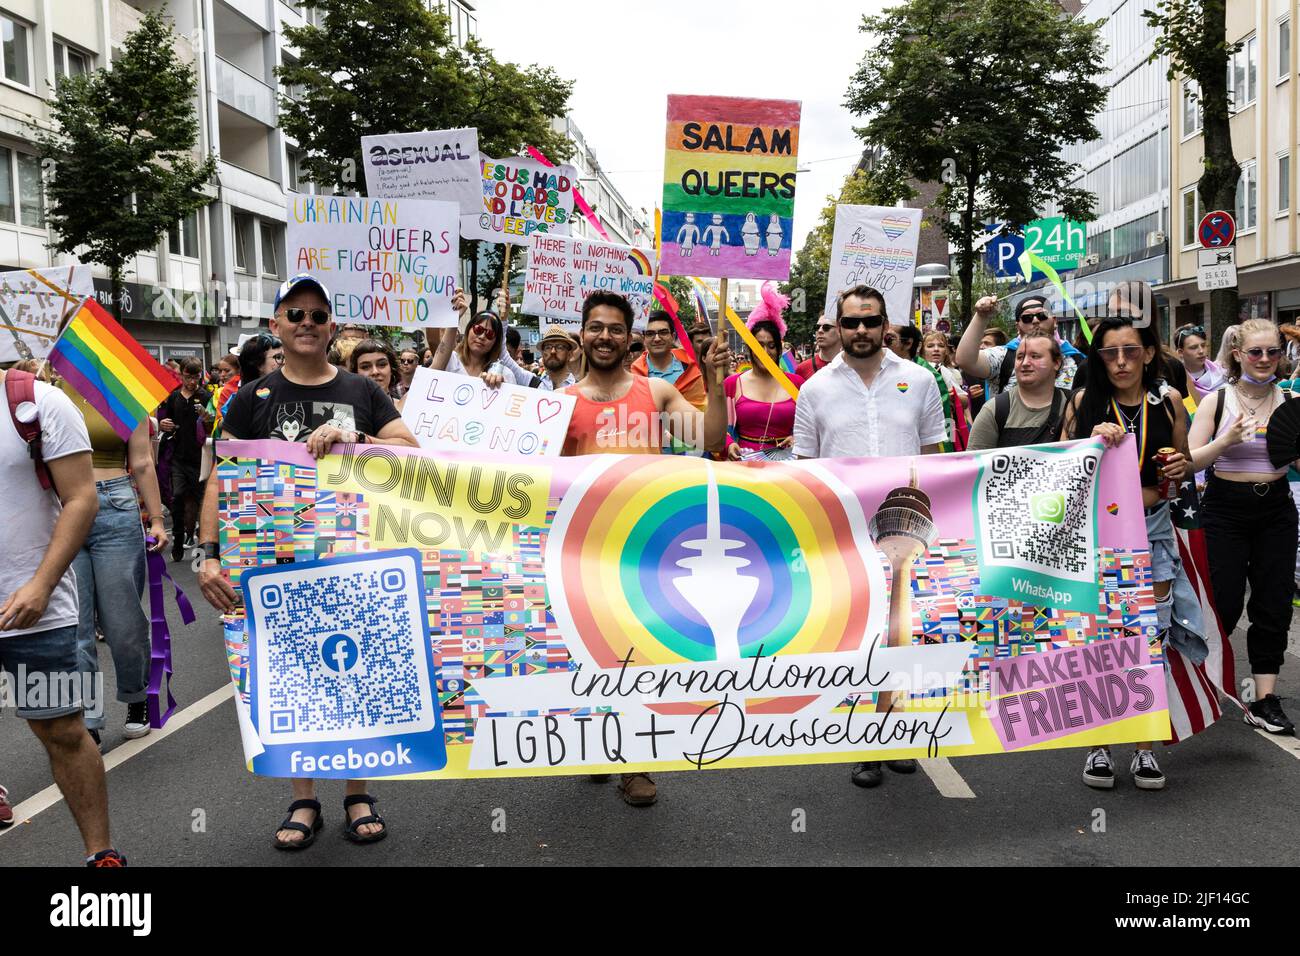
x,y
627,612
450,412
563,271
875,246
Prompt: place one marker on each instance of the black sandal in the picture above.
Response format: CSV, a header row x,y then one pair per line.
x,y
309,833
351,826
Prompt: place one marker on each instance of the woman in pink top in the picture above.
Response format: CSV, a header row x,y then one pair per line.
x,y
1249,516
760,413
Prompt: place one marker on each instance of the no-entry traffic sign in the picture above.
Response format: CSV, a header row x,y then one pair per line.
x,y
1217,229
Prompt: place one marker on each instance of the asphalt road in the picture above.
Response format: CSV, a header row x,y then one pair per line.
x,y
181,796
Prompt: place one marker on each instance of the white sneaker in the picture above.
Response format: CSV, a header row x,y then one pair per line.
x,y
1146,772
1098,771
137,721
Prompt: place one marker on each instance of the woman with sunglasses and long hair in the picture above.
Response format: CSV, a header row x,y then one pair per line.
x,y
1193,349
480,352
1248,513
377,360
1126,396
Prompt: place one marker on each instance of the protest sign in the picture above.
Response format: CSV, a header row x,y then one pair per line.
x,y
442,164
563,271
729,184
34,304
450,412
875,246
520,197
642,613
385,261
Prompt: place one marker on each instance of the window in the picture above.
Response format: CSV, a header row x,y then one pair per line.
x,y
1099,245
1191,215
15,51
31,195
8,207
1283,183
69,61
293,164
272,240
1137,172
1191,108
242,226
1136,235
1284,49
183,238
1242,69
1247,187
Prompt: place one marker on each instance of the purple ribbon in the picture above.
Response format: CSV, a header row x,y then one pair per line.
x,y
160,654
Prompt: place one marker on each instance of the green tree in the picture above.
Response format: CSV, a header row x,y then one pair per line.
x,y
981,95
1193,34
809,273
392,66
683,290
121,153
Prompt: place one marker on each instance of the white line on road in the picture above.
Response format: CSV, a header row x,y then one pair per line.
x,y
1288,743
946,778
51,795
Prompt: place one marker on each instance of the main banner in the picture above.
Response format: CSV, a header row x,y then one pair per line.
x,y
412,614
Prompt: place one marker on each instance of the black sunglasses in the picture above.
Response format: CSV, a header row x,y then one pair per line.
x,y
851,322
318,316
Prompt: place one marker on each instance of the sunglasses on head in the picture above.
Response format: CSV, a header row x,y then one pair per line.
x,y
318,316
851,322
1184,334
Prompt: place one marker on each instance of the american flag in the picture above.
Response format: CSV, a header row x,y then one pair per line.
x,y
1195,691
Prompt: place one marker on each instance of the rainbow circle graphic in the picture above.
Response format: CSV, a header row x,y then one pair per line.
x,y
639,262
895,226
623,543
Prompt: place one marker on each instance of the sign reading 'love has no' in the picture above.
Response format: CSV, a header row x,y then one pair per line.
x,y
450,412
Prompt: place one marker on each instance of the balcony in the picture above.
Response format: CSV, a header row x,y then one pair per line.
x,y
246,93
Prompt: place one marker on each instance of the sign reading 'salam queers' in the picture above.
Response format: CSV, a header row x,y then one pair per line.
x,y
458,615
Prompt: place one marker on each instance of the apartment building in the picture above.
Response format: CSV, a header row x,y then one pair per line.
x,y
1262,79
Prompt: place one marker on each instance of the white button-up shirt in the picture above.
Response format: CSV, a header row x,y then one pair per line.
x,y
836,416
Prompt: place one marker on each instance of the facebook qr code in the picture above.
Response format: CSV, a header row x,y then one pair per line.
x,y
340,649
1037,509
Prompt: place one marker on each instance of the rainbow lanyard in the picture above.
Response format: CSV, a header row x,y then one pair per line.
x,y
1142,427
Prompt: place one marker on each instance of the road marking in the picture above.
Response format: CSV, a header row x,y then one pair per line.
x,y
51,795
946,779
1288,743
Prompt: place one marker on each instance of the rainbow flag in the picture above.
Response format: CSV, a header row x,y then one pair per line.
x,y
110,370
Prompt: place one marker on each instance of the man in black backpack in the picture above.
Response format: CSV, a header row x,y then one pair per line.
x,y
998,364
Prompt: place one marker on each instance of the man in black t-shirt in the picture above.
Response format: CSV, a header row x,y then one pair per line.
x,y
183,419
310,401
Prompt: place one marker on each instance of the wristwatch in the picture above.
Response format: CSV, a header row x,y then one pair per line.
x,y
210,551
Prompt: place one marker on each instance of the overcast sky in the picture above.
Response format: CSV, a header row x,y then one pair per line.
x,y
626,58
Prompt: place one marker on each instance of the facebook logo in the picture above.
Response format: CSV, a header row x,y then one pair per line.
x,y
340,653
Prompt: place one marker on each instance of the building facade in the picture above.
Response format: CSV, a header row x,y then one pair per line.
x,y
623,223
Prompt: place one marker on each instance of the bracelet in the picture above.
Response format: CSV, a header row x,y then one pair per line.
x,y
210,551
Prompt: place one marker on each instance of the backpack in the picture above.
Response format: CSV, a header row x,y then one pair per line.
x,y
1049,430
20,390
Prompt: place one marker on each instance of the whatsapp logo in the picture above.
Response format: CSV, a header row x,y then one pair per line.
x,y
1049,507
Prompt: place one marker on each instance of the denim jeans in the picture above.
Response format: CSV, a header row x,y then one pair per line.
x,y
110,571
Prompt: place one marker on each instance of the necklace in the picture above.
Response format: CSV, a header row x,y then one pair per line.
x,y
1254,412
1136,425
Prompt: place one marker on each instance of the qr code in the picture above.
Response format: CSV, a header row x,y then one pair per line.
x,y
1036,509
340,649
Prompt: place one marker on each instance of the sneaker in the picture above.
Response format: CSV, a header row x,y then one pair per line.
x,y
1146,772
638,789
6,811
868,774
94,735
1098,771
1268,715
599,777
107,859
137,720
902,766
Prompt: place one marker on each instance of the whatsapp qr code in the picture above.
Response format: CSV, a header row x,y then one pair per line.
x,y
1036,509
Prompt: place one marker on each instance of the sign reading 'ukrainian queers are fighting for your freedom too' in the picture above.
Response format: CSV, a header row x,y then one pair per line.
x,y
470,614
729,187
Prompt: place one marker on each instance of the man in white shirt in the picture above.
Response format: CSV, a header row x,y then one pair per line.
x,y
868,403
44,529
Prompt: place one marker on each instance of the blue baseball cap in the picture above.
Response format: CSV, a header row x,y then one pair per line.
x,y
298,281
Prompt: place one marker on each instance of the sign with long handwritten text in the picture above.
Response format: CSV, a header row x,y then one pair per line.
x,y
563,271
729,185
521,197
654,612
438,164
34,304
385,261
875,246
450,412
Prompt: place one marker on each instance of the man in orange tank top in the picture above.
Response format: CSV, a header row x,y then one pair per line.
x,y
624,413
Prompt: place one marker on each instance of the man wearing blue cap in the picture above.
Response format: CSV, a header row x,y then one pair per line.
x,y
306,400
